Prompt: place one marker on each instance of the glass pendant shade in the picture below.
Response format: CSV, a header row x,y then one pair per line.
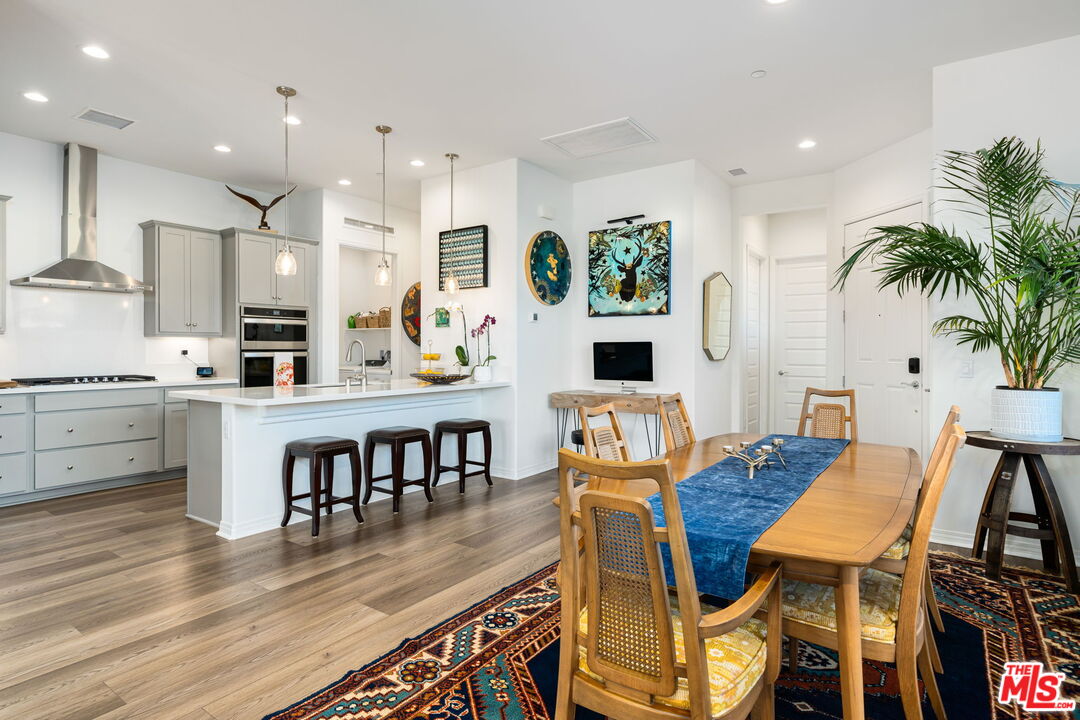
x,y
285,262
451,285
382,273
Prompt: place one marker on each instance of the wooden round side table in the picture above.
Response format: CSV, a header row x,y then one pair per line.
x,y
1050,529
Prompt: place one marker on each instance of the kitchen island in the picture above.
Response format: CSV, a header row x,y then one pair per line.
x,y
237,436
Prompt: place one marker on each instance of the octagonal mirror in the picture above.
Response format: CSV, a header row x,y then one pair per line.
x,y
716,320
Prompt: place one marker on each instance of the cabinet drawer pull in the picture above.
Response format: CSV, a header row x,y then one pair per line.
x,y
71,467
194,324
131,424
131,459
71,429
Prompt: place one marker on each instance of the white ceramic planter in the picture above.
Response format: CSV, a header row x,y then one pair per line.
x,y
482,373
1032,415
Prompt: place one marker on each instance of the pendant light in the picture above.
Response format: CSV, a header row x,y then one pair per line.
x,y
382,274
451,285
285,262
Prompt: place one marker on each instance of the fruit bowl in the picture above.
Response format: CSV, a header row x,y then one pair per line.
x,y
438,378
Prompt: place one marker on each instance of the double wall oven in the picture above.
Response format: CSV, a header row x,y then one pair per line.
x,y
265,331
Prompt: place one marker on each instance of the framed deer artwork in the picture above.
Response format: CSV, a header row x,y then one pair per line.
x,y
630,270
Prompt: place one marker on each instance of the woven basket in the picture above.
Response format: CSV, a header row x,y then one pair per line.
x,y
384,317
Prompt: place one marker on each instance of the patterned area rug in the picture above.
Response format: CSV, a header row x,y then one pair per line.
x,y
498,659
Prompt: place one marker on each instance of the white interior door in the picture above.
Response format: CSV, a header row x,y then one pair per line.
x,y
797,339
882,331
755,352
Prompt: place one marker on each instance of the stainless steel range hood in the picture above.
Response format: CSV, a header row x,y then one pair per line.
x,y
79,268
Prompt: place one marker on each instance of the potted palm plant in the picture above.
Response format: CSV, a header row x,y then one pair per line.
x,y
1022,275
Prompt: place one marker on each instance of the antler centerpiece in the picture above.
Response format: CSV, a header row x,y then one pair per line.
x,y
758,458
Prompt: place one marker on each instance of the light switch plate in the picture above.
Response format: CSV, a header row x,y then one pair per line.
x,y
967,369
534,317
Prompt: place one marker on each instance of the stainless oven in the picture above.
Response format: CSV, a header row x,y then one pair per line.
x,y
273,329
257,368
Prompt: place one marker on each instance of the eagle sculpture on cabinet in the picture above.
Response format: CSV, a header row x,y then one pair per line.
x,y
263,225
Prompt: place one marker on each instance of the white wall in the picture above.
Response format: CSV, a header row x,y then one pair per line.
x,y
969,113
486,195
798,233
63,332
714,380
403,251
543,346
699,207
888,178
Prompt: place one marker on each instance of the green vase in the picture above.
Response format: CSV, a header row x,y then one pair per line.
x,y
352,322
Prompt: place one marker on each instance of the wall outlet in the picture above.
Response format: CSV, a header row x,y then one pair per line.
x,y
534,317
967,369
184,353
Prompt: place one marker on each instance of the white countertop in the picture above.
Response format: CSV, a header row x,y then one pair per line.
x,y
302,394
165,383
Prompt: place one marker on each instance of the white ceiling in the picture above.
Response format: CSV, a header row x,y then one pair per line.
x,y
488,78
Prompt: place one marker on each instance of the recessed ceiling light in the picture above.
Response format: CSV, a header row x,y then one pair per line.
x,y
416,163
758,74
291,119
344,181
776,2
807,144
35,96
223,148
96,51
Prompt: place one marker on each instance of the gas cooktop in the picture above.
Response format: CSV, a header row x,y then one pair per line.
x,y
81,379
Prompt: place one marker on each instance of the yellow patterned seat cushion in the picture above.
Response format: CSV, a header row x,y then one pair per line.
x,y
899,549
736,662
879,604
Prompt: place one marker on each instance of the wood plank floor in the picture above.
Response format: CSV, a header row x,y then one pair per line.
x,y
114,605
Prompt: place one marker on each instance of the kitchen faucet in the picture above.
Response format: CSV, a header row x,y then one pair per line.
x,y
362,375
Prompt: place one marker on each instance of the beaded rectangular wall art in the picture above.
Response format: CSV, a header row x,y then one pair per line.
x,y
464,251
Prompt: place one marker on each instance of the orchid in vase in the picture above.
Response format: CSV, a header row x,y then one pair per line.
x,y
484,328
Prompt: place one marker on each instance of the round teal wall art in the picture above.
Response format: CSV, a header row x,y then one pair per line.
x,y
547,267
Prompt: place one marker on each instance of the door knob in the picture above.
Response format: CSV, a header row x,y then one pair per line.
x,y
780,372
913,384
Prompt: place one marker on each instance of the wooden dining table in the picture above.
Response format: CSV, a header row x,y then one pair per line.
x,y
848,517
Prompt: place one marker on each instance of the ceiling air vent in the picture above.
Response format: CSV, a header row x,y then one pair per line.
x,y
104,118
603,138
736,172
354,224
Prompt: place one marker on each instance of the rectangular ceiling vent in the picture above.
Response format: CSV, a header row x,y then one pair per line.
x,y
104,118
736,172
603,138
354,224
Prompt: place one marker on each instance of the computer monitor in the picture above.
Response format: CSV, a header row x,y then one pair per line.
x,y
627,363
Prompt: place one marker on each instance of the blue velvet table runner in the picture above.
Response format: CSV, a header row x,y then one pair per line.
x,y
725,513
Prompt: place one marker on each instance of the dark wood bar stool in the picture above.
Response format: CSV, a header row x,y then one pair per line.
x,y
320,452
463,427
398,438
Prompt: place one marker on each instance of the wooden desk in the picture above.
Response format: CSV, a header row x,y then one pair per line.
x,y
566,403
844,521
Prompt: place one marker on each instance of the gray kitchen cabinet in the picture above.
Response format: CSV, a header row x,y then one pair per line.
x,y
71,466
293,289
13,476
184,266
176,416
251,254
255,263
